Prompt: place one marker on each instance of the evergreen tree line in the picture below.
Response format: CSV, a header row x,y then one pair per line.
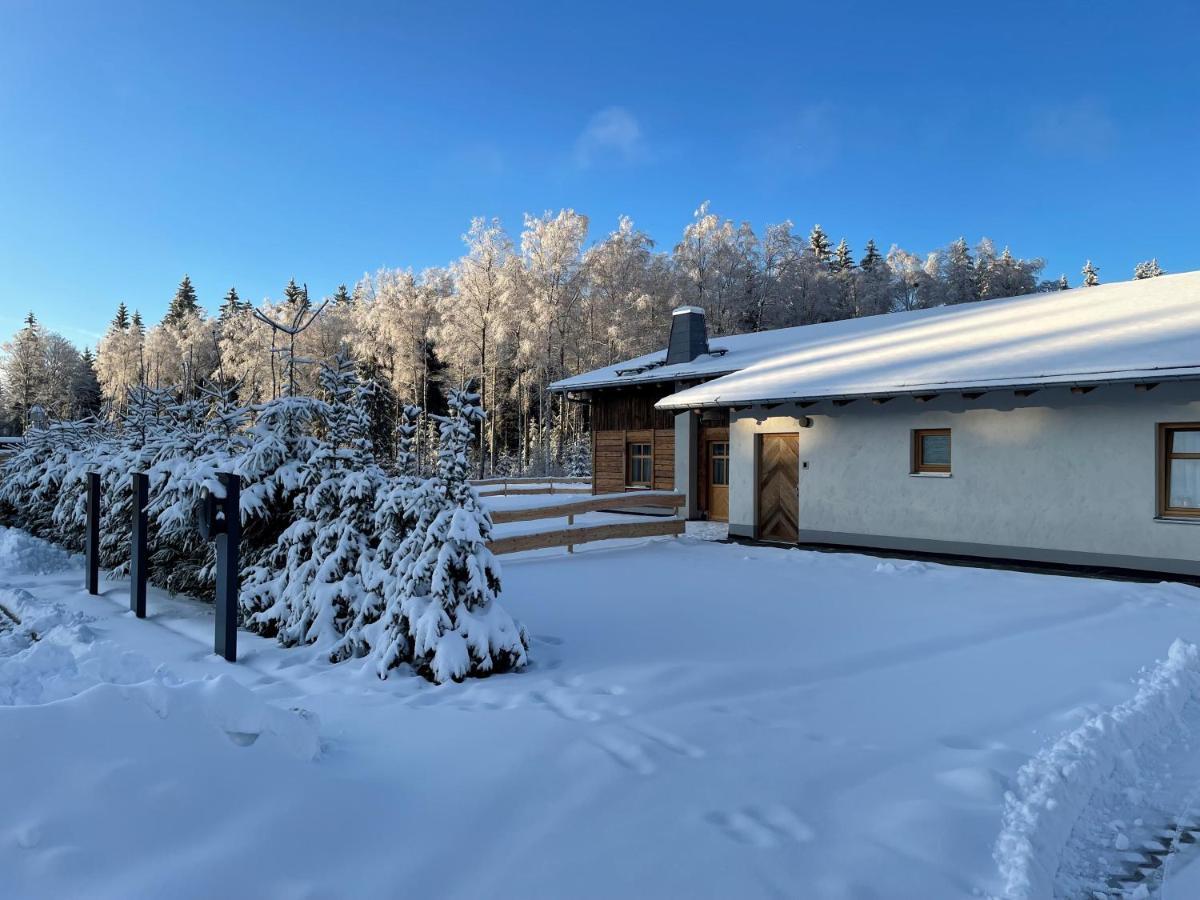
x,y
513,315
339,552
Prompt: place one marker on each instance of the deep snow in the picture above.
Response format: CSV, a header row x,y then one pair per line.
x,y
700,719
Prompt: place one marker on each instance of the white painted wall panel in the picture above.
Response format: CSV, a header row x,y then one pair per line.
x,y
1072,473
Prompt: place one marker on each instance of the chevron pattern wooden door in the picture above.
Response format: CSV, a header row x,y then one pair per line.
x,y
779,488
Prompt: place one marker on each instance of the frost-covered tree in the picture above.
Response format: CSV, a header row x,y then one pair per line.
x,y
959,278
1091,274
24,360
818,243
1147,269
445,620
86,397
478,315
120,365
843,260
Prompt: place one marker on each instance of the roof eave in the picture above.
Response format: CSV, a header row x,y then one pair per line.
x,y
1146,376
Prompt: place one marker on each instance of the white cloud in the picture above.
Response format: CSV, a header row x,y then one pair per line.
x,y
611,134
1080,129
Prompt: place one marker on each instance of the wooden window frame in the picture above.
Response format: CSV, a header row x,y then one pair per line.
x,y
1165,455
629,457
712,459
919,466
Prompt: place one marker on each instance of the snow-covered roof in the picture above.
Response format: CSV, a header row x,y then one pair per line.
x,y
726,354
1125,331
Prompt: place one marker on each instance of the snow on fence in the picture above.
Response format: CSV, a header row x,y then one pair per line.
x,y
571,535
531,485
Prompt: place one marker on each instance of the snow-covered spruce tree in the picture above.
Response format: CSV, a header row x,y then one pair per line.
x,y
137,444
406,441
34,482
391,523
445,619
1091,274
275,472
326,550
579,456
203,438
1147,269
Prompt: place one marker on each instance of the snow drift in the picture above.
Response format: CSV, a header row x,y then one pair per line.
x,y
49,654
1055,787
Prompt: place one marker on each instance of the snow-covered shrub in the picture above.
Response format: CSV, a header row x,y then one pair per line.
x,y
444,618
336,551
31,482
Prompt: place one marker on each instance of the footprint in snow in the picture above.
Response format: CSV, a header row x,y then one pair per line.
x,y
762,826
669,741
562,703
627,754
636,755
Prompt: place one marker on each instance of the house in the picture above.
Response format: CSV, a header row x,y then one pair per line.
x,y
1059,428
636,446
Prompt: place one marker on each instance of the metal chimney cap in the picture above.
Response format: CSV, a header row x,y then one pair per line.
x,y
683,310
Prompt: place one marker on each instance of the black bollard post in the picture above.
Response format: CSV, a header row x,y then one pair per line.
x,y
229,536
140,485
92,538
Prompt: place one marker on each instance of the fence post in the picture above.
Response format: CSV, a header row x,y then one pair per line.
x,y
92,538
570,522
140,488
229,537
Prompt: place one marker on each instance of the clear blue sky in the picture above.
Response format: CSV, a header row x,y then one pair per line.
x,y
246,143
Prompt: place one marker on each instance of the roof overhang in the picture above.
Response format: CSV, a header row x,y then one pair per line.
x,y
561,387
1146,379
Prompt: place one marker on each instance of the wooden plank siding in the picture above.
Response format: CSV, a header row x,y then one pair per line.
x,y
631,409
610,465
664,459
624,416
608,461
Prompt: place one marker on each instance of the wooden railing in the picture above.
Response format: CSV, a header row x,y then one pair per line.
x,y
571,535
531,485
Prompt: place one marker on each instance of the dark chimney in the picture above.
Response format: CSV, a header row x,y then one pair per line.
x,y
689,336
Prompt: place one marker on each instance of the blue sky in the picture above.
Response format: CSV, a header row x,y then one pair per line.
x,y
247,143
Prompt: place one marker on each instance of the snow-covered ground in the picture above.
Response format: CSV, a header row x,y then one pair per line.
x,y
702,719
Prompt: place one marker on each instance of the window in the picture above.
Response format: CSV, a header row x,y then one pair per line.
x,y
1179,470
931,451
641,465
719,455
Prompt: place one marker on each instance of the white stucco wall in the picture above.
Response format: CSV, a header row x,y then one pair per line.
x,y
1056,471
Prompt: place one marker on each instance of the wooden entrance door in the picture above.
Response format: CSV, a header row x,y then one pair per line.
x,y
717,457
779,487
